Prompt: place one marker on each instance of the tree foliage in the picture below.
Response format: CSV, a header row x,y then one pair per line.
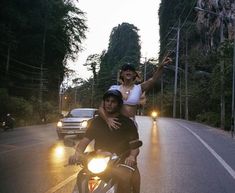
x,y
36,39
204,64
124,46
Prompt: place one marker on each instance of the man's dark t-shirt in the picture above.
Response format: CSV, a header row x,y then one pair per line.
x,y
115,141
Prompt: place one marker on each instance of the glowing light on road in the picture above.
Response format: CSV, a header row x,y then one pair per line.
x,y
59,152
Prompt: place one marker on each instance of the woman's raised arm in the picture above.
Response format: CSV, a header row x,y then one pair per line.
x,y
148,84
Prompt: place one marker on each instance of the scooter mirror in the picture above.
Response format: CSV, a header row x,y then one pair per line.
x,y
135,144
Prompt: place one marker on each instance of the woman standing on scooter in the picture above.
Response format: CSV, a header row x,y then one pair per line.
x,y
131,91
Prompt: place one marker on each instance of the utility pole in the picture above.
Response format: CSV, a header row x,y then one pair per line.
x,y
186,77
145,61
176,70
222,103
42,59
9,45
233,89
180,93
145,68
75,96
92,92
8,58
41,66
59,94
162,93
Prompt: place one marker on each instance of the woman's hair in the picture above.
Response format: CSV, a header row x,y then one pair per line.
x,y
130,67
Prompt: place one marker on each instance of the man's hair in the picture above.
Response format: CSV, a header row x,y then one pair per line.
x,y
114,93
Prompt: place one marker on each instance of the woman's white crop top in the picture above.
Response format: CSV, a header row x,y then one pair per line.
x,y
134,96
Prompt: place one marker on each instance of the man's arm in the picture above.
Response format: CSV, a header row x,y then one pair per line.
x,y
131,159
157,74
76,157
133,138
82,145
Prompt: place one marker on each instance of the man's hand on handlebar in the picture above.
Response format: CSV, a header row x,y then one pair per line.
x,y
75,159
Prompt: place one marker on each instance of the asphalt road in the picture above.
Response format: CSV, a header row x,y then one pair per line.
x,y
185,157
176,157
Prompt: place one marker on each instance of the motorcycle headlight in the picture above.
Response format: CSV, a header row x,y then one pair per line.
x,y
154,114
84,124
98,165
59,124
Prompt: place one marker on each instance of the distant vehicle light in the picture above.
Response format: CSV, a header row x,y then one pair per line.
x,y
75,122
59,124
154,114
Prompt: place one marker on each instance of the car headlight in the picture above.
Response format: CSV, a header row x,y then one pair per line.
x,y
98,165
59,124
84,124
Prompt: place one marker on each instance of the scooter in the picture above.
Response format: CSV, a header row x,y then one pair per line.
x,y
8,123
95,177
154,115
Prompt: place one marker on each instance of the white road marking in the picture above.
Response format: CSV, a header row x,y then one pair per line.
x,y
220,159
61,184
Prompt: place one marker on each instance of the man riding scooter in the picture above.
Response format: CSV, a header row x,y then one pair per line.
x,y
8,122
113,140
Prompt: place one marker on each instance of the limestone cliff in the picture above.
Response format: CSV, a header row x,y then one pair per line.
x,y
209,22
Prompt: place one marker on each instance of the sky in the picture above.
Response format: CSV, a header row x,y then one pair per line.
x,y
103,15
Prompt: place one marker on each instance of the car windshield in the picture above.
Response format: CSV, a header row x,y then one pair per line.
x,y
81,113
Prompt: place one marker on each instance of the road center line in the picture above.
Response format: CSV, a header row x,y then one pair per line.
x,y
220,159
62,184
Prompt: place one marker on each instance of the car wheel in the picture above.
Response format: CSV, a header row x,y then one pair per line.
x,y
60,135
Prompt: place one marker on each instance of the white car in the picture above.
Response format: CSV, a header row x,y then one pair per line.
x,y
75,123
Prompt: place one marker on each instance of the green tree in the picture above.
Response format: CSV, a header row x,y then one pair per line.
x,y
124,46
36,40
93,63
35,33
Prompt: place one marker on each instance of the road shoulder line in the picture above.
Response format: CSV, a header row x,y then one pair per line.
x,y
212,151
